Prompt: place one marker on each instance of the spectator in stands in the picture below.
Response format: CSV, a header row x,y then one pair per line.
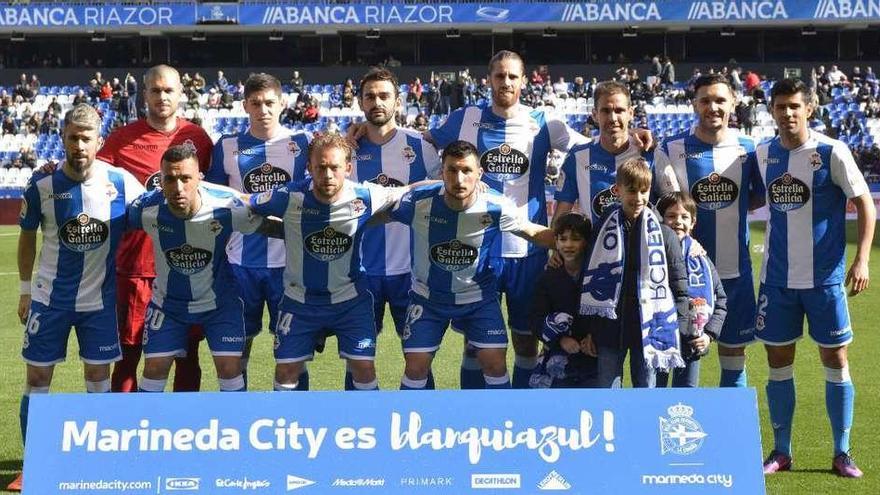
x,y
28,157
221,83
823,92
561,88
822,75
667,75
870,77
199,83
421,122
348,97
579,88
746,115
192,98
80,97
54,106
837,77
856,77
238,92
444,87
32,125
99,78
50,124
23,89
654,73
752,81
872,109
186,80
311,112
34,86
414,96
94,91
226,99
106,92
296,83
131,89
213,99
391,62
294,113
536,78
481,90
735,81
9,126
544,72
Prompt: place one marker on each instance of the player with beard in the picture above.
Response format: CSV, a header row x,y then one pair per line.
x,y
265,156
389,156
80,207
138,148
717,166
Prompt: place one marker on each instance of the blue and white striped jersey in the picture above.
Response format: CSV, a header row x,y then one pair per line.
x,y
587,175
406,158
720,178
451,248
807,189
513,155
252,166
322,241
192,271
82,223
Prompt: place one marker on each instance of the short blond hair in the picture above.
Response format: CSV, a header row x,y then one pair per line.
x,y
330,140
634,172
84,116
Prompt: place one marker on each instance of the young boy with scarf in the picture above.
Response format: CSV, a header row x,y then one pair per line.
x,y
569,357
634,285
708,302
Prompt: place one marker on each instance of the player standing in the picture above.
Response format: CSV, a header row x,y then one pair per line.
x,y
454,229
138,148
265,156
389,156
190,224
717,166
808,178
80,208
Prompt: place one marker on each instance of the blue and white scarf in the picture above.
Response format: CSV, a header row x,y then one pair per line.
x,y
700,283
604,276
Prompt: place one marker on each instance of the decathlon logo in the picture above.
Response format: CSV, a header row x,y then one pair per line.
x,y
847,9
611,12
495,481
680,433
733,10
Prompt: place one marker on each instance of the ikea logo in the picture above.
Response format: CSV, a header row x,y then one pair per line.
x,y
182,484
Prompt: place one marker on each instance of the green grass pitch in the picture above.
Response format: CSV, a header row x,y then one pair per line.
x,y
812,438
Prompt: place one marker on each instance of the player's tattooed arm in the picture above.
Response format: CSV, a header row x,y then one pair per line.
x,y
27,254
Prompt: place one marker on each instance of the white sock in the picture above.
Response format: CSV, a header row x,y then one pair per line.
x,y
98,387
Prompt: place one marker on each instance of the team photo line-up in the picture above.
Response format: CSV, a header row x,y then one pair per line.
x,y
158,238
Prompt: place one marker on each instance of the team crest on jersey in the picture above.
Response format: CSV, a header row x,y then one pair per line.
x,y
454,255
486,220
504,162
408,154
111,191
680,433
153,182
714,192
357,207
742,153
328,244
187,259
386,181
560,181
816,160
293,148
83,233
215,226
264,178
603,200
787,193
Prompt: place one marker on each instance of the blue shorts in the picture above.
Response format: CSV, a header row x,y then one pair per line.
x,y
393,289
516,278
781,311
258,287
167,334
426,322
301,326
47,330
739,325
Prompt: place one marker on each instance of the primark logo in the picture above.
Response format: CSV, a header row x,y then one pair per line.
x,y
847,9
611,12
737,10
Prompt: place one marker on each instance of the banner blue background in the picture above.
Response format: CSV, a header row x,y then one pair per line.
x,y
637,441
606,12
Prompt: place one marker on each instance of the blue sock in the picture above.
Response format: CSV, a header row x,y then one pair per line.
x,y
781,402
498,382
839,404
430,385
733,378
471,374
23,415
244,367
303,384
349,380
523,367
